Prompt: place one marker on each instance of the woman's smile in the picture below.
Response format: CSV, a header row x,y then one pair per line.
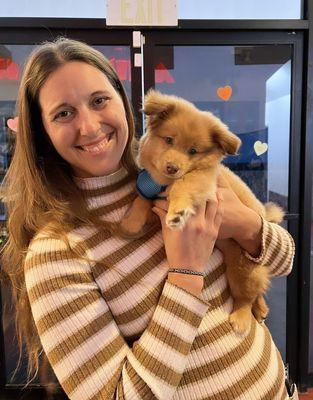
x,y
98,147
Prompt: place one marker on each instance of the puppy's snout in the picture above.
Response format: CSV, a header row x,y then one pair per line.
x,y
171,168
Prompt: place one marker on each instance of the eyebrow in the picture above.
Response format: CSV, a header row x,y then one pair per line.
x,y
54,110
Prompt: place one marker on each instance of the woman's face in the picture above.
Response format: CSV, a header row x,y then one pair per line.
x,y
85,119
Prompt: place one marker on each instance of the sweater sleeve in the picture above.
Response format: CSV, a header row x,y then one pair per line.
x,y
85,348
277,250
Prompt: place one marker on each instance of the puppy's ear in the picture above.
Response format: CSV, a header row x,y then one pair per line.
x,y
157,106
228,142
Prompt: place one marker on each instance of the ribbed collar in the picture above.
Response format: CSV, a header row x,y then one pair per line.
x,y
110,196
101,181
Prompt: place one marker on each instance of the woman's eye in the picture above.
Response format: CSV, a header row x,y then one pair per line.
x,y
63,114
192,151
169,140
100,101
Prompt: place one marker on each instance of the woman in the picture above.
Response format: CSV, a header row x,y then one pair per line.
x,y
113,322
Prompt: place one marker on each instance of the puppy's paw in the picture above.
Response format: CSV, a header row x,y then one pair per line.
x,y
178,218
240,321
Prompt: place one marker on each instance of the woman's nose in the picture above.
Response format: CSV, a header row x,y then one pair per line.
x,y
88,122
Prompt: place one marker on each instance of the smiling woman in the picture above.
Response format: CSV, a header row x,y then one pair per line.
x,y
84,118
73,122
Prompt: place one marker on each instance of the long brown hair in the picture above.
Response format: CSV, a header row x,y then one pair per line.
x,y
38,187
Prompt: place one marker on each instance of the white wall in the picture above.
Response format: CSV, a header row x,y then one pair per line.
x,y
187,9
239,9
57,9
277,118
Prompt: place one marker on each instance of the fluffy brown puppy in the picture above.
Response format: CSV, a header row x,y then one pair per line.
x,y
183,147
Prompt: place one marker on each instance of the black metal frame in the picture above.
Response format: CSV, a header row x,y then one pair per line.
x,y
306,202
183,24
299,33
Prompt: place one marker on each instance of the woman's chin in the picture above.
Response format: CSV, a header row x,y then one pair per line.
x,y
96,172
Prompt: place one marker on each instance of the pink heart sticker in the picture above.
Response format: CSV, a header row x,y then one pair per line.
x,y
12,124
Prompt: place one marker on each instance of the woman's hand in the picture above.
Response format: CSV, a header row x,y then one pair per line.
x,y
192,246
239,222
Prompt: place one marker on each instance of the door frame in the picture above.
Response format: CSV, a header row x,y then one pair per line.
x,y
227,32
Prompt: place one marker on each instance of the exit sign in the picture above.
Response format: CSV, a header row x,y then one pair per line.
x,y
141,12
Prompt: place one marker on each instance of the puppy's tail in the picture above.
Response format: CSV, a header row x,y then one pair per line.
x,y
273,212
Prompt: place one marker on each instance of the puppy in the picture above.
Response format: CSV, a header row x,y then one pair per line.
x,y
183,147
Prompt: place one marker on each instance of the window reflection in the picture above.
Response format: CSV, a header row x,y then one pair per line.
x,y
119,57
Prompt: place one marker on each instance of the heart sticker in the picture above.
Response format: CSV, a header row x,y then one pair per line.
x,y
12,124
260,148
224,92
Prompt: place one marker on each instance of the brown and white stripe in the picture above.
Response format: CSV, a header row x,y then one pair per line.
x,y
113,327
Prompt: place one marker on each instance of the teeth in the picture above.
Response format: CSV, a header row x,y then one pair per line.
x,y
99,146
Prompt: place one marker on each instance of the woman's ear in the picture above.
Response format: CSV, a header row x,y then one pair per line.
x,y
228,141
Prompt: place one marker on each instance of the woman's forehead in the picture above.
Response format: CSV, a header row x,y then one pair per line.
x,y
71,82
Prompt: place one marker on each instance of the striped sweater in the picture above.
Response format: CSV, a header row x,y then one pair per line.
x,y
113,327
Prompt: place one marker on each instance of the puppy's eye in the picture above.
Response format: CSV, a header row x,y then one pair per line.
x,y
192,151
169,140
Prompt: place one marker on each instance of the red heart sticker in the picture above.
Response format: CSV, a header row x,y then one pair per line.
x,y
12,124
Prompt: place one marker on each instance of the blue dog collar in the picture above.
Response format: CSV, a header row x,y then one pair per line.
x,y
147,187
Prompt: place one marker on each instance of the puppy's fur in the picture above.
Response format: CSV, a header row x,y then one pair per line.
x,y
183,147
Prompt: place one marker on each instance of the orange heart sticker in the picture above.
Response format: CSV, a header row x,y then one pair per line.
x,y
225,92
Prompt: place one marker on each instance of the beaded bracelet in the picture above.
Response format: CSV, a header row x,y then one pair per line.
x,y
186,271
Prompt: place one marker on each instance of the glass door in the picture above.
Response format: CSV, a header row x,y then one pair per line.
x,y
252,81
248,82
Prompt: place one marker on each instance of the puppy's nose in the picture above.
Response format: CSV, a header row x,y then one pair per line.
x,y
171,169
